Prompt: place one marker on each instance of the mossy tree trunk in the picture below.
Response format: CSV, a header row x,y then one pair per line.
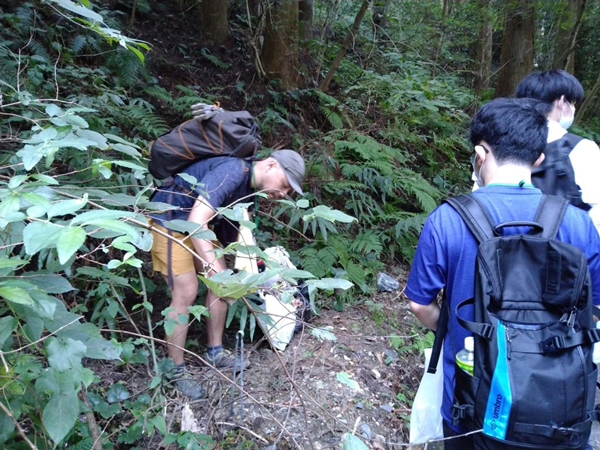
x,y
566,35
212,22
516,56
280,48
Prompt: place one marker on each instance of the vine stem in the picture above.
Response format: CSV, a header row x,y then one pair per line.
x,y
21,430
43,338
149,320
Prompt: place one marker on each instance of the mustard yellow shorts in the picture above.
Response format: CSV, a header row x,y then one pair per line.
x,y
182,260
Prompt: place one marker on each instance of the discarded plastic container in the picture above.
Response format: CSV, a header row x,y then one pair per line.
x,y
385,283
465,359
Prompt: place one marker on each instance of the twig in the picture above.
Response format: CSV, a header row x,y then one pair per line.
x,y
245,429
43,338
21,431
149,319
91,420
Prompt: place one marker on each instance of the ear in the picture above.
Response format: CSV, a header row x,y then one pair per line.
x,y
271,163
481,154
539,161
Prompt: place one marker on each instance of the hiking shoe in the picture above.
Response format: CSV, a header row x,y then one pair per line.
x,y
189,387
224,360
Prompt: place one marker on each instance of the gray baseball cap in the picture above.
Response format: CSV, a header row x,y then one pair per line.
x,y
293,166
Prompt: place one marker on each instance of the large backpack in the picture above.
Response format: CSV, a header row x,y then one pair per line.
x,y
534,380
228,133
555,175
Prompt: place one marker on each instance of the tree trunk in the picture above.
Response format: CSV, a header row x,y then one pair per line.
x,y
516,56
483,56
212,22
279,52
324,86
306,19
582,110
566,36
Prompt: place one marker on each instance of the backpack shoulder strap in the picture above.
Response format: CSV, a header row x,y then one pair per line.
x,y
572,140
475,216
550,214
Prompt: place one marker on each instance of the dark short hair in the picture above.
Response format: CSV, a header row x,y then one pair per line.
x,y
550,85
515,129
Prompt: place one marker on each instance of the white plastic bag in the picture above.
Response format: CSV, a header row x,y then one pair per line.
x,y
426,416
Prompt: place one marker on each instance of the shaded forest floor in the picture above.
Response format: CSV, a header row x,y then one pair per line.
x,y
294,399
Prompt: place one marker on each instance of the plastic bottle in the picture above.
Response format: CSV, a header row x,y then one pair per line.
x,y
465,359
596,351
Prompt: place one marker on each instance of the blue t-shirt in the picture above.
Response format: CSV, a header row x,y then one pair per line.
x,y
221,180
446,253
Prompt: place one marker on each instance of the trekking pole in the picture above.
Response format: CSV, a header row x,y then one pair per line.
x,y
238,360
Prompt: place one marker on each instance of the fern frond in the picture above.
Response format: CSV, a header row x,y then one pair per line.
x,y
367,241
78,44
213,59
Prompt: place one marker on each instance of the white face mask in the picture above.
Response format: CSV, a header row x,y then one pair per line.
x,y
566,122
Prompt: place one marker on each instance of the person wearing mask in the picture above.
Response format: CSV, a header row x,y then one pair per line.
x,y
508,138
561,91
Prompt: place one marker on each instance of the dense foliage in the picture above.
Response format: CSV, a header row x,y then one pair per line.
x,y
79,103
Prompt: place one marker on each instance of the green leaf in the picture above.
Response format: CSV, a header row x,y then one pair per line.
x,y
89,216
44,305
16,181
44,178
68,242
346,379
302,203
16,295
332,215
129,165
116,226
160,424
10,204
184,226
93,136
116,392
12,262
62,410
126,149
323,333
80,123
53,110
351,442
67,207
330,283
65,354
80,10
32,233
51,283
7,325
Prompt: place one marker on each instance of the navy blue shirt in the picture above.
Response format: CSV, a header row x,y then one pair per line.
x,y
446,253
221,180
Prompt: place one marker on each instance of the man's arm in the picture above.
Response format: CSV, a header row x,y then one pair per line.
x,y
201,214
428,315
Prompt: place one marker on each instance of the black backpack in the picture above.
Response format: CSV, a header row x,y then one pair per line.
x,y
555,175
534,380
228,133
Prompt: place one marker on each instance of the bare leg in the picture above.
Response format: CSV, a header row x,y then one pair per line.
x,y
185,289
217,309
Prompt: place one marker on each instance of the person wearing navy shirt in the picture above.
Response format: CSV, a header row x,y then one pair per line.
x,y
196,194
509,137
